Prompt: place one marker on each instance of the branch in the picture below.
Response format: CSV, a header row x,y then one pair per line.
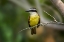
x,y
59,5
53,25
56,14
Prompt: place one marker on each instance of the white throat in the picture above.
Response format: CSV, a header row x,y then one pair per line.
x,y
32,13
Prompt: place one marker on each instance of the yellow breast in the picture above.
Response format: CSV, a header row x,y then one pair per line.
x,y
34,19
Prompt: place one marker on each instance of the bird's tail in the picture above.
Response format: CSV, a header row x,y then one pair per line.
x,y
33,30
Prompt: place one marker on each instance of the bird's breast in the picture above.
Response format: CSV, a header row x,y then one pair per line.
x,y
34,19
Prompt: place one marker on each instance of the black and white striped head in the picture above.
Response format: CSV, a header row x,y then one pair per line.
x,y
32,10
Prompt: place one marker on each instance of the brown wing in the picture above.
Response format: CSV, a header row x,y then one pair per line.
x,y
38,22
29,21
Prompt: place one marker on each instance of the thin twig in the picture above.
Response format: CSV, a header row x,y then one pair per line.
x,y
51,16
61,25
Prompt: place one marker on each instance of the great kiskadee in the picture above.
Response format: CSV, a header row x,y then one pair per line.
x,y
34,19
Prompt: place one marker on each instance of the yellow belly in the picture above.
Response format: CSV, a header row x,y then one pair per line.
x,y
34,20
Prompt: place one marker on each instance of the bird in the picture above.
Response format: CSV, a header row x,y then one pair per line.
x,y
34,19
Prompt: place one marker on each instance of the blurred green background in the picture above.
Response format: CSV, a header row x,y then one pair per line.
x,y
13,18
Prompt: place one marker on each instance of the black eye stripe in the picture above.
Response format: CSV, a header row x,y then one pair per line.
x,y
33,11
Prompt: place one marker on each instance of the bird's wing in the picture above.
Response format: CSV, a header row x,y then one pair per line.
x,y
38,21
29,21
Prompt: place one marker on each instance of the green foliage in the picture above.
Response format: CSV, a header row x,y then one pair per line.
x,y
3,2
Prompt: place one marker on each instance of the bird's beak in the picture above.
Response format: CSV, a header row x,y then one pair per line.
x,y
27,11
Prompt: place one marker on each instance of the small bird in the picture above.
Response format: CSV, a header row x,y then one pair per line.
x,y
34,19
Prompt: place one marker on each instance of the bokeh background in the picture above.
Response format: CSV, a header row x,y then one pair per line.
x,y
13,19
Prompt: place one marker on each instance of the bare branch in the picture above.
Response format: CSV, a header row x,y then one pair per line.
x,y
54,25
56,14
59,5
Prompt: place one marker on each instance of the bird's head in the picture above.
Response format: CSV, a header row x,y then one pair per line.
x,y
32,10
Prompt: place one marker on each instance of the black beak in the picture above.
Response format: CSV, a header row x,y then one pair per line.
x,y
28,11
